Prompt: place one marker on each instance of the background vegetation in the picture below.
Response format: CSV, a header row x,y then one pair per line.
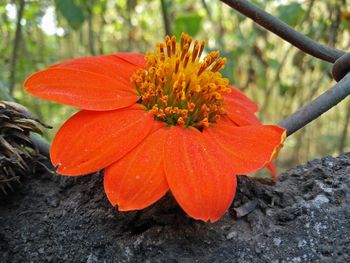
x,y
35,34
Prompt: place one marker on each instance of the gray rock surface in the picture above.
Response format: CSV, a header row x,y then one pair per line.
x,y
304,218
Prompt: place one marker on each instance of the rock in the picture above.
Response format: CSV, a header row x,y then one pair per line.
x,y
305,217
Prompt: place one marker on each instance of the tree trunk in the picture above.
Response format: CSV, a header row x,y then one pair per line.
x,y
16,44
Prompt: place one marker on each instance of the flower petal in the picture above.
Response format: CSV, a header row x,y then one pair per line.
x,y
241,111
92,83
120,65
240,108
134,58
199,174
92,140
138,179
240,115
241,98
250,147
272,169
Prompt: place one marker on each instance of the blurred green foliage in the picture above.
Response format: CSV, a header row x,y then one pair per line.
x,y
71,11
291,13
277,76
189,23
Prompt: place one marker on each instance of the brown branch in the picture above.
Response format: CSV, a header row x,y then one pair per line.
x,y
340,71
281,29
283,62
318,106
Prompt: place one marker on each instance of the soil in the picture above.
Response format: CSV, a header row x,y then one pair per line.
x,y
305,217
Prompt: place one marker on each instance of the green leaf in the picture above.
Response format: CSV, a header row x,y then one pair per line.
x,y
71,12
283,88
189,24
230,65
291,13
346,24
273,63
261,3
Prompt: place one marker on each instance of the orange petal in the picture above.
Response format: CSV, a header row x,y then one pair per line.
x,y
241,98
240,115
134,58
92,140
249,148
272,169
199,174
270,166
138,179
120,65
240,108
92,83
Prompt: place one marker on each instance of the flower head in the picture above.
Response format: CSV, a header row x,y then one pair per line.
x,y
164,121
179,88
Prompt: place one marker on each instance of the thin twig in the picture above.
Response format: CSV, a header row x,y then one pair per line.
x,y
281,29
167,27
91,37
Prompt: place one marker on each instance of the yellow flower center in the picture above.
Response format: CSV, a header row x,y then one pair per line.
x,y
178,87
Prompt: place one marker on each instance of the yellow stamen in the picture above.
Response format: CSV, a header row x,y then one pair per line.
x,y
178,87
184,51
183,40
173,44
201,49
180,121
187,57
195,51
168,48
177,63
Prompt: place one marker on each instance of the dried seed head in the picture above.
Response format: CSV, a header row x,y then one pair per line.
x,y
18,156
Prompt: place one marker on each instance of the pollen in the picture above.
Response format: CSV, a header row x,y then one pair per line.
x,y
179,86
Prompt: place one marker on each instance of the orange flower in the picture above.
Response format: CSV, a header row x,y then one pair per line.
x,y
160,122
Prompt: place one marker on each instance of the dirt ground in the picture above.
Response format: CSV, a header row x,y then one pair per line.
x,y
304,218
